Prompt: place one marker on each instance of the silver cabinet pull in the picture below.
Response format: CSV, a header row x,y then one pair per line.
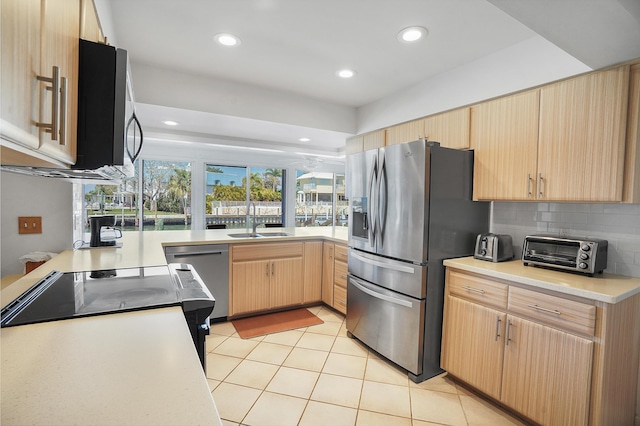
x,y
529,194
63,111
267,269
540,308
54,80
498,321
507,335
273,268
539,184
473,289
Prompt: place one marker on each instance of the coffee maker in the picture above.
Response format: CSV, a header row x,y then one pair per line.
x,y
99,238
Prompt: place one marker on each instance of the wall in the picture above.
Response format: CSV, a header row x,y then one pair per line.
x,y
530,63
33,196
619,224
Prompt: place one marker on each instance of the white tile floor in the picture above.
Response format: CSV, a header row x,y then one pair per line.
x,y
319,376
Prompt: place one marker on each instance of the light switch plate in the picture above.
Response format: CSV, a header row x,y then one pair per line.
x,y
30,225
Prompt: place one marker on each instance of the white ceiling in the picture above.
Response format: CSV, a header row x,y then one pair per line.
x,y
280,83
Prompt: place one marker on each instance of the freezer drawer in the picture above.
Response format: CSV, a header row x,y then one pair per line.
x,y
211,262
388,322
403,277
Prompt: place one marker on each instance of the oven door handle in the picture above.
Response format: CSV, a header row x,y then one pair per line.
x,y
380,296
382,264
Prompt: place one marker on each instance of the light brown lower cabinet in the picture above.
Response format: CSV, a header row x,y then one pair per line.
x,y
266,276
334,276
554,359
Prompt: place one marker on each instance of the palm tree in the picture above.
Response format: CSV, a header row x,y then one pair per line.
x,y
180,187
273,176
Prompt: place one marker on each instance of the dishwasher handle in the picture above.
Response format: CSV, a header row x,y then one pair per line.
x,y
199,253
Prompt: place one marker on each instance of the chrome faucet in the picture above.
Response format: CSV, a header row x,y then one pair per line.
x,y
254,223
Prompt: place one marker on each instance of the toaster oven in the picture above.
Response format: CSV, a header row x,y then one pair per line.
x,y
588,256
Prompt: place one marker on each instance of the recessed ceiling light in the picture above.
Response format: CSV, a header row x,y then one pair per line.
x,y
170,123
346,73
412,34
226,39
304,140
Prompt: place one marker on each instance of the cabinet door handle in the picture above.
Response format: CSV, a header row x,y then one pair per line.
x,y
540,308
539,184
529,194
476,290
273,268
54,80
330,252
498,321
63,111
507,335
267,269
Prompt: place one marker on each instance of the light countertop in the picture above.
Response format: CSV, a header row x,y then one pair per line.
x,y
130,368
135,368
606,288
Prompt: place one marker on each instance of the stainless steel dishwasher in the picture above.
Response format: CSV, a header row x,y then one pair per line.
x,y
211,262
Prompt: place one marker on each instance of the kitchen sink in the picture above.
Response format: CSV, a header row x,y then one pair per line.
x,y
262,234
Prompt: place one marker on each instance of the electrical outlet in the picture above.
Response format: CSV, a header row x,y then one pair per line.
x,y
30,225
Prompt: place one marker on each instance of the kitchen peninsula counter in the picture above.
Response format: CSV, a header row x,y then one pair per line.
x,y
608,288
130,368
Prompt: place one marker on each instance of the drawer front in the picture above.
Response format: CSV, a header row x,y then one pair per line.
x,y
552,310
340,272
340,299
266,251
341,253
477,289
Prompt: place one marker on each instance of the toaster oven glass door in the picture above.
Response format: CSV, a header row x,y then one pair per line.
x,y
563,253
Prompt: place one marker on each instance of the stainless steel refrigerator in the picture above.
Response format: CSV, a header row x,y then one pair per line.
x,y
410,208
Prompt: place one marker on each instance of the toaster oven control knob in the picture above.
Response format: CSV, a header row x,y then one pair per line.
x,y
583,265
584,256
585,248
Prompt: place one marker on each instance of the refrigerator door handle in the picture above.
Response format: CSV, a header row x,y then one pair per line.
x,y
382,264
380,296
371,194
382,198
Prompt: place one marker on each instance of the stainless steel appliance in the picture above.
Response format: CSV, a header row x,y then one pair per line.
x,y
493,247
410,208
574,254
212,263
109,135
63,296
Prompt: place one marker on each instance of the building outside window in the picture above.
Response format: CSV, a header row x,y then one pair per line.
x,y
319,195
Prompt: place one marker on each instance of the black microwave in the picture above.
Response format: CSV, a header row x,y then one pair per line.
x,y
109,133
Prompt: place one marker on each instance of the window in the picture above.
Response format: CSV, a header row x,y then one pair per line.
x,y
319,195
166,190
228,197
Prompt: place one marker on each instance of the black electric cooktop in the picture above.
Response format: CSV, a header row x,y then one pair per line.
x,y
77,294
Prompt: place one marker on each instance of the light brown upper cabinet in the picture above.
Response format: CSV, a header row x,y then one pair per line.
x,y
504,137
20,66
631,188
451,129
582,137
562,142
372,140
406,132
89,24
40,86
